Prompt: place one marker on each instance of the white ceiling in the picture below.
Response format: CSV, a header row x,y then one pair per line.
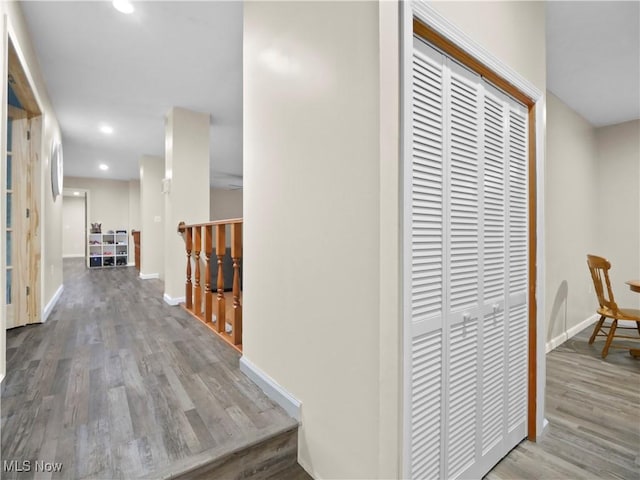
x,y
593,58
101,66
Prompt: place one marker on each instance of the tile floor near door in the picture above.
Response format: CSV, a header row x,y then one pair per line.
x,y
117,384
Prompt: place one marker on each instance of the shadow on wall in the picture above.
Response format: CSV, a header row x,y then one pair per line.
x,y
558,310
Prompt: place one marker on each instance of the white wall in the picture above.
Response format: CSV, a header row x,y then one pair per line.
x,y
50,211
187,166
73,228
225,204
572,197
312,211
617,217
152,216
112,203
514,32
108,201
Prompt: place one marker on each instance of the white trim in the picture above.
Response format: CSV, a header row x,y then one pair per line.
x,y
149,276
571,332
74,255
52,303
406,95
133,264
431,17
271,388
541,359
173,301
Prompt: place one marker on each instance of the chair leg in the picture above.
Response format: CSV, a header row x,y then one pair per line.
x,y
612,331
597,329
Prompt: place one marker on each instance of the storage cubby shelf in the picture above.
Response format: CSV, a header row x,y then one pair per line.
x,y
108,249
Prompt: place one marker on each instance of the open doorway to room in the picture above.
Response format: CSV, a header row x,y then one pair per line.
x,y
74,223
22,190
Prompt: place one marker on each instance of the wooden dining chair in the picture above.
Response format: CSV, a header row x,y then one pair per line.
x,y
599,268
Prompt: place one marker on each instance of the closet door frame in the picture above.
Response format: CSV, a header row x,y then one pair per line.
x,y
419,19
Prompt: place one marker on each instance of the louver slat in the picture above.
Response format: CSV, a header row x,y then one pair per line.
x,y
494,198
427,192
468,271
463,192
517,202
463,366
426,381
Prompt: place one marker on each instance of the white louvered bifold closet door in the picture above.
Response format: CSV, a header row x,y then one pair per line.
x,y
468,327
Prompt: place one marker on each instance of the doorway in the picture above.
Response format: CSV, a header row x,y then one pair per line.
x,y
22,196
470,261
74,223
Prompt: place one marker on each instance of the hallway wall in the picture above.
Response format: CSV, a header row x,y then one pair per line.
x,y
618,213
50,209
113,203
571,186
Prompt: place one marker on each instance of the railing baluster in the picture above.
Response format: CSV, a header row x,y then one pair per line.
x,y
208,246
188,286
236,255
199,243
221,248
197,289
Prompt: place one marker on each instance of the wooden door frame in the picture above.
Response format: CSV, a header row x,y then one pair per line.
x,y
418,18
17,74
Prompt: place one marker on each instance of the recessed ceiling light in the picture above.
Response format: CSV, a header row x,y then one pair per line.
x,y
106,129
77,194
123,6
103,166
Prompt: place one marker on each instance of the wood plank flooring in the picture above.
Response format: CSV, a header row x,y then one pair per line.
x,y
117,384
593,408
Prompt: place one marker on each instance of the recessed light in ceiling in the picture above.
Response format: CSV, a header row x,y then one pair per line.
x,y
106,129
123,6
103,166
77,194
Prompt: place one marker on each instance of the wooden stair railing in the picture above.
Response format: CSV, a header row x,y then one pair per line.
x,y
198,239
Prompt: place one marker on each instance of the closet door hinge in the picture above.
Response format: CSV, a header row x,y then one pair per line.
x,y
28,290
28,212
28,134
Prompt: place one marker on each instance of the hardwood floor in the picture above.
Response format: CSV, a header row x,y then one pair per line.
x,y
593,408
117,384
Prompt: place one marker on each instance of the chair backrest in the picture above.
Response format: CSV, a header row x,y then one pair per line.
x,y
599,268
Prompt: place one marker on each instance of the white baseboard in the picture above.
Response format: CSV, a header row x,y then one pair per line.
x,y
149,276
52,303
74,255
131,264
173,301
271,388
563,337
